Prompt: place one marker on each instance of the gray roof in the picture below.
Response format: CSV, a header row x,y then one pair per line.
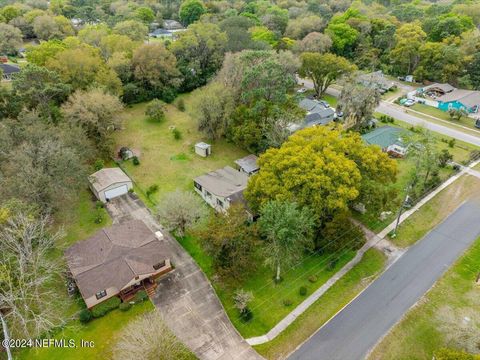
x,y
468,98
322,117
224,182
376,79
8,69
105,177
114,256
172,24
248,163
442,87
158,32
308,104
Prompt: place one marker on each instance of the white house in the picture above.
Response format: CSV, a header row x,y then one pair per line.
x,y
109,183
222,187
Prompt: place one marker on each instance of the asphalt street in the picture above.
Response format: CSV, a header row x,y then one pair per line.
x,y
359,326
400,114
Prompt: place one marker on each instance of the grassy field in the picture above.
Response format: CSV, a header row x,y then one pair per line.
x,y
103,332
436,210
447,316
342,292
429,110
268,303
169,163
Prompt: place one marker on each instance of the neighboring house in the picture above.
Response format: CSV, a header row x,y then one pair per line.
x,y
117,261
166,33
376,80
170,24
318,113
109,183
389,139
248,164
222,187
446,97
8,70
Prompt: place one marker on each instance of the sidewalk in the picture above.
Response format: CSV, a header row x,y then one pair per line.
x,y
377,240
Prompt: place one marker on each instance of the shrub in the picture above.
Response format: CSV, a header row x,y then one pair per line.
x,y
85,316
181,104
141,296
287,302
451,143
312,278
155,111
125,306
105,307
444,158
331,264
98,216
152,189
135,161
303,291
246,315
177,135
98,165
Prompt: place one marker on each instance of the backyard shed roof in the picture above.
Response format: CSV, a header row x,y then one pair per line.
x,y
105,177
223,182
248,163
114,256
384,136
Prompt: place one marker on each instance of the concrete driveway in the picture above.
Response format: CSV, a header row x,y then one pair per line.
x,y
359,326
185,297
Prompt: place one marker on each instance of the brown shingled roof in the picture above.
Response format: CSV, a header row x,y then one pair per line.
x,y
114,256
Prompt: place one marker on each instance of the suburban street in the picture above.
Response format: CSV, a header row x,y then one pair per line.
x,y
354,331
399,113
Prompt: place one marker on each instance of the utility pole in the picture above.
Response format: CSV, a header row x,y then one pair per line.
x,y
402,206
6,336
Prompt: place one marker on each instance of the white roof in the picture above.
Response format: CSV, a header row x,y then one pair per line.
x,y
202,145
105,177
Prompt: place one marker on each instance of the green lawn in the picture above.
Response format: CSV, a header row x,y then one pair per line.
x,y
169,163
447,316
461,153
267,305
429,110
342,292
436,210
332,100
102,331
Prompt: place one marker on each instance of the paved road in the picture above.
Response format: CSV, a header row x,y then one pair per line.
x,y
360,325
185,297
400,114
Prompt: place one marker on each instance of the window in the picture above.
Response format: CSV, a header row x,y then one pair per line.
x,y
220,203
197,185
207,194
101,294
159,265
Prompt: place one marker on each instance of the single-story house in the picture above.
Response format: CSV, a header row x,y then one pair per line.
x,y
117,261
109,183
222,187
8,70
248,164
376,80
170,24
165,33
446,97
317,114
389,138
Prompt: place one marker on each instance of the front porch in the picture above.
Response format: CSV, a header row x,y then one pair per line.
x,y
149,285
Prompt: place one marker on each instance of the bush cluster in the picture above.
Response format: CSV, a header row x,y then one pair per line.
x,y
103,308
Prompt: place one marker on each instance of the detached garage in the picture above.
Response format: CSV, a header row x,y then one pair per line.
x,y
109,183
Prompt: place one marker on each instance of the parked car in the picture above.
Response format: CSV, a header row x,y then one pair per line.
x,y
477,123
301,90
409,102
339,114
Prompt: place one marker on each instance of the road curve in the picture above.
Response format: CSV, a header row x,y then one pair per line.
x,y
359,326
